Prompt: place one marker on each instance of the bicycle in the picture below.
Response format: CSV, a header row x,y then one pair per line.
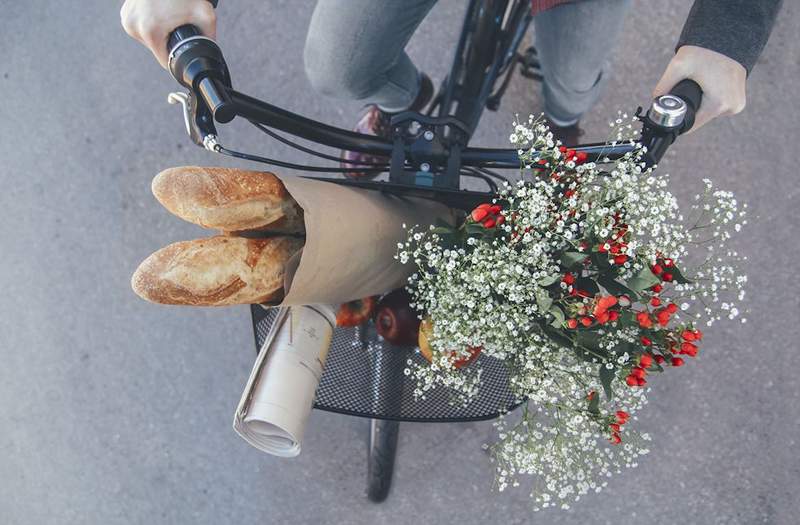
x,y
428,154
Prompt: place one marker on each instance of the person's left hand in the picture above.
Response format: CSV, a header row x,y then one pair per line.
x,y
721,78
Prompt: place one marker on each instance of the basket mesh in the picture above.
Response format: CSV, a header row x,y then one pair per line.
x,y
364,377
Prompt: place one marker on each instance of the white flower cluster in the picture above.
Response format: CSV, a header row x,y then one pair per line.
x,y
504,290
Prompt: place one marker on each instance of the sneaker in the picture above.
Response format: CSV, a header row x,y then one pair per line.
x,y
377,122
568,135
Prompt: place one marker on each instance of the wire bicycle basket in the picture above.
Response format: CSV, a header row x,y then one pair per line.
x,y
364,376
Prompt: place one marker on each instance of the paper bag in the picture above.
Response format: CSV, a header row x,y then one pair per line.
x,y
351,240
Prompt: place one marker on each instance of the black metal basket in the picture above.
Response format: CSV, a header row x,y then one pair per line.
x,y
364,376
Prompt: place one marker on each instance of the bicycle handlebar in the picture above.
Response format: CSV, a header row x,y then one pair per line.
x,y
196,62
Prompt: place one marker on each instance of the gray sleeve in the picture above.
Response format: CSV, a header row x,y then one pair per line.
x,y
738,29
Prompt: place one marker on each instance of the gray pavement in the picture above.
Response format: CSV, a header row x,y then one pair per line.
x,y
113,410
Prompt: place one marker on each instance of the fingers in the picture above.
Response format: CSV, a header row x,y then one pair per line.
x,y
229,199
151,22
205,18
672,75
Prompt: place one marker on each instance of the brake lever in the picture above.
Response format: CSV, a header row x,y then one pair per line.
x,y
197,118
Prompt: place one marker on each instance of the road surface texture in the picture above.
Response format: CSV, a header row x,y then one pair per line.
x,y
114,410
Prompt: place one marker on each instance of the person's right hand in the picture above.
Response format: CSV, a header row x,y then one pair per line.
x,y
151,21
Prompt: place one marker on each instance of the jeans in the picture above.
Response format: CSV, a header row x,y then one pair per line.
x,y
355,49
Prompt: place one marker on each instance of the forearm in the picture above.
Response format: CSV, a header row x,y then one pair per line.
x,y
738,29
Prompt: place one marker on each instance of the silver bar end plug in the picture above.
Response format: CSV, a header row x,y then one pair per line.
x,y
668,111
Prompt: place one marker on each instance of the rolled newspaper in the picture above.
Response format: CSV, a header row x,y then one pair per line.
x,y
279,395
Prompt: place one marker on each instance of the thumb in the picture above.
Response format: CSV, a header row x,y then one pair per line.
x,y
672,75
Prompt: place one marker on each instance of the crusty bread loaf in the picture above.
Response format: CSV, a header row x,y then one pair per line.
x,y
228,199
218,271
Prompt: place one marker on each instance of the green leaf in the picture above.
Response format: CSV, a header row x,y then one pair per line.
x,y
570,259
587,284
441,230
643,280
600,262
588,348
543,300
549,279
606,377
625,346
475,229
557,336
677,276
556,312
615,287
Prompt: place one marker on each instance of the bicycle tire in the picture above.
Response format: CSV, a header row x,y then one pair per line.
x,y
381,457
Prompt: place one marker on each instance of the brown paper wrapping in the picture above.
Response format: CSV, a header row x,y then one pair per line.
x,y
351,241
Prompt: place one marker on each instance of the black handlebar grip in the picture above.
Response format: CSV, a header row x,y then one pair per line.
x,y
196,62
690,92
180,34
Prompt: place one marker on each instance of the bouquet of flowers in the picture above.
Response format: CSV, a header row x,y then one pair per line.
x,y
585,280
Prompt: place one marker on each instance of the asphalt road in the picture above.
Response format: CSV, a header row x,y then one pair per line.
x,y
113,410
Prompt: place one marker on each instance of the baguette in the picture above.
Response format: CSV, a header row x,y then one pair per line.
x,y
217,271
228,199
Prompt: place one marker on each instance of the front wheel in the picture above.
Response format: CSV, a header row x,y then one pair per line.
x,y
380,459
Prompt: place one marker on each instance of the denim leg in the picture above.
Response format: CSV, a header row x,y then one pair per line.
x,y
355,50
574,42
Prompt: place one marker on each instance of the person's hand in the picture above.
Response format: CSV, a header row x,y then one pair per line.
x,y
151,21
721,78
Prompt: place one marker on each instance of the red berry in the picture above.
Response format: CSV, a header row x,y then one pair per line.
x,y
572,323
615,439
672,308
602,248
677,361
615,427
568,278
689,349
489,223
638,372
646,341
698,335
667,276
620,259
663,316
581,157
622,416
644,320
604,303
656,269
660,359
478,214
657,288
613,315
500,220
645,361
632,381
687,335
655,301
667,262
586,321
495,209
640,381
